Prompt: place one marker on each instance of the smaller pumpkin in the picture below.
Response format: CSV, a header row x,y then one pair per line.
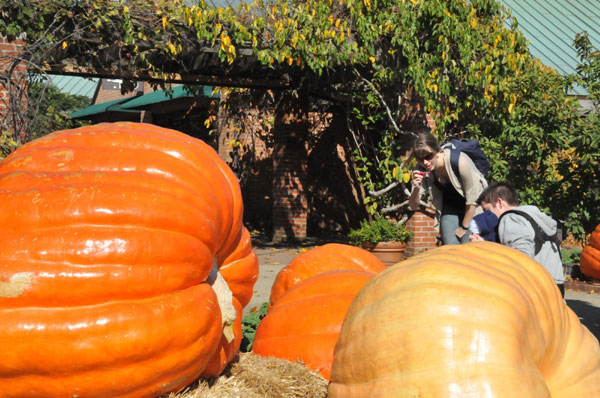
x,y
589,262
329,257
304,324
309,299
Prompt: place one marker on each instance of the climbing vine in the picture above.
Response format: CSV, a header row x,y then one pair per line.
x,y
464,62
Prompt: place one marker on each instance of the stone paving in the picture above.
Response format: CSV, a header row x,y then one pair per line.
x,y
273,258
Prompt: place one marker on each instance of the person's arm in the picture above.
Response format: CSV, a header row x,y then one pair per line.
x,y
471,187
415,196
469,214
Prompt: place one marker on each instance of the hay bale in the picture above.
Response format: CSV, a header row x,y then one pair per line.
x,y
253,376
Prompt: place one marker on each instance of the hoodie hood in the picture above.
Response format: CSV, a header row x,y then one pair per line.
x,y
546,223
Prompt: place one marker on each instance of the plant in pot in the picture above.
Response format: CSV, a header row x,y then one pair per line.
x,y
385,238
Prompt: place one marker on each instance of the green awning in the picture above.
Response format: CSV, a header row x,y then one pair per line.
x,y
157,97
103,107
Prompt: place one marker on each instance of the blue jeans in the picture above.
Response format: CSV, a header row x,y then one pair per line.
x,y
449,223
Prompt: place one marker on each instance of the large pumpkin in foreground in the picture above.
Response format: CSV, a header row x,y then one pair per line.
x,y
473,320
313,293
124,265
589,262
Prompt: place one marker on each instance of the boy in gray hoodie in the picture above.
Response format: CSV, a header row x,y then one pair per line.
x,y
516,229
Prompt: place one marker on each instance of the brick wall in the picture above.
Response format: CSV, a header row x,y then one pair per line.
x,y
104,94
425,237
316,189
290,207
244,131
9,50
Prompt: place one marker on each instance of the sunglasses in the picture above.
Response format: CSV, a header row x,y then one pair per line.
x,y
427,157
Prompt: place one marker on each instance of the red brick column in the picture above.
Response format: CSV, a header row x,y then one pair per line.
x,y
9,51
290,206
425,236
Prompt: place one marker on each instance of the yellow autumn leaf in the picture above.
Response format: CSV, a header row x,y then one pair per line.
x,y
406,177
64,45
230,54
414,1
164,22
396,173
372,59
125,10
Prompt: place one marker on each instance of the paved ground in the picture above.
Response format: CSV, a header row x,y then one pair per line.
x,y
274,257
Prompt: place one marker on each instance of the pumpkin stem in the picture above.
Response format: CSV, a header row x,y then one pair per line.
x,y
225,298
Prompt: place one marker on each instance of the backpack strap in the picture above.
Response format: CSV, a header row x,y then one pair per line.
x,y
454,155
540,236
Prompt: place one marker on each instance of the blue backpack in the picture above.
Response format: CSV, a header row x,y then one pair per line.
x,y
472,149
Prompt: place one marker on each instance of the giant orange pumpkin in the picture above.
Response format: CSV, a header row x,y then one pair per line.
x,y
329,257
313,294
589,262
472,320
304,324
124,265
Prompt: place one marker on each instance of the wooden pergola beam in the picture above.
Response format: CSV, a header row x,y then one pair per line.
x,y
213,80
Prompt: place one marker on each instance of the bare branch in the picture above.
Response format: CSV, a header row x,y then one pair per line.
x,y
384,103
385,190
392,208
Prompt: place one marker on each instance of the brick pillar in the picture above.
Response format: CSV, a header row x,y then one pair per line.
x,y
290,207
425,237
9,52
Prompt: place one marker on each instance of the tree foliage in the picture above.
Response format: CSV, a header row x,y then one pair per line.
x,y
51,108
459,59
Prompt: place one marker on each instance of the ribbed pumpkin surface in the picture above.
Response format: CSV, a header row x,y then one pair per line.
x,y
329,257
305,322
472,320
108,234
589,262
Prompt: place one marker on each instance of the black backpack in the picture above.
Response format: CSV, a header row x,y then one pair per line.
x,y
472,149
540,237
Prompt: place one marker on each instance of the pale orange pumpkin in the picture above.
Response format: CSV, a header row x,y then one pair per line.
x,y
471,320
124,264
589,262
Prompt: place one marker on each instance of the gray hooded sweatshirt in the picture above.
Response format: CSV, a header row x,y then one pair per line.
x,y
516,231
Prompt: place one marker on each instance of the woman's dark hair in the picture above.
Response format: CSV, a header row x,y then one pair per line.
x,y
499,190
425,144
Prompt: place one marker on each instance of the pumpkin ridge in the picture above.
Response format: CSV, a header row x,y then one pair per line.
x,y
175,207
198,297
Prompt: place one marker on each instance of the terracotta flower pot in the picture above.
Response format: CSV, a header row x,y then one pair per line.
x,y
388,253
